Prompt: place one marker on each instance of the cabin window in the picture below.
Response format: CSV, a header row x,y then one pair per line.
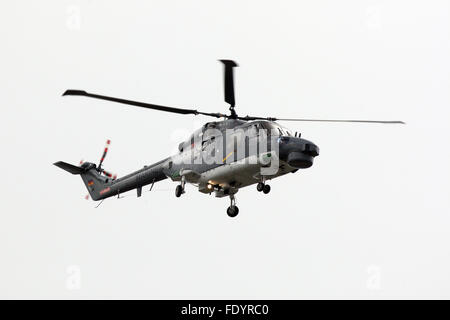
x,y
252,130
208,142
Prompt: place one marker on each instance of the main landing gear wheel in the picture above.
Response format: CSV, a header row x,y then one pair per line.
x,y
260,186
232,211
178,191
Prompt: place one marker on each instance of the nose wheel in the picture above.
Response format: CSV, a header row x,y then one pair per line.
x,y
232,210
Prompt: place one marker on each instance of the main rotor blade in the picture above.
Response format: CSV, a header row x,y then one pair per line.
x,y
228,81
250,118
140,104
348,121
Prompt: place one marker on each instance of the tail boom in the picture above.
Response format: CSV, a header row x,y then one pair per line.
x,y
101,187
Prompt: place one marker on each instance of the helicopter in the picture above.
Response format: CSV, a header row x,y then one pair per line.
x,y
221,157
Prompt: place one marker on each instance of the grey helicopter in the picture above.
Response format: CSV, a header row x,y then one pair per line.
x,y
219,158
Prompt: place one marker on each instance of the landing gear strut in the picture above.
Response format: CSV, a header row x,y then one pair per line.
x,y
232,210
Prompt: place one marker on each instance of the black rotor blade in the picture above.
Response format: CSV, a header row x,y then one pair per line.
x,y
348,121
250,118
140,104
229,81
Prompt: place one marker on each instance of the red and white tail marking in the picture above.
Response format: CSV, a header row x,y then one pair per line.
x,y
110,175
108,142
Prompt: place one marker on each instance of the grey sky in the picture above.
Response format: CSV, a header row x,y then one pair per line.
x,y
370,219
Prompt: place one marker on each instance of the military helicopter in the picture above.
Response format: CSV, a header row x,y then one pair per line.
x,y
246,150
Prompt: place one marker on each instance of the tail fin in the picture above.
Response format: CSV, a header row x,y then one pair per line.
x,y
93,181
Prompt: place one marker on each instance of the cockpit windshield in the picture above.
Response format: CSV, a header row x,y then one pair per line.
x,y
274,127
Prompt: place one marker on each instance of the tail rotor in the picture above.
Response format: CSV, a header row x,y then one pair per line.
x,y
94,176
105,152
109,174
113,176
99,168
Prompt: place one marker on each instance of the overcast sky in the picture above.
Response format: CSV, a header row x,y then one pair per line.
x,y
370,219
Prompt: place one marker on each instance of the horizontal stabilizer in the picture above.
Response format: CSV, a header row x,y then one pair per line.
x,y
69,167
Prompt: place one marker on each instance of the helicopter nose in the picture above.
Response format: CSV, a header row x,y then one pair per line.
x,y
298,153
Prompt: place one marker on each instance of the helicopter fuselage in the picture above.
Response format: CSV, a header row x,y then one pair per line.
x,y
222,157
